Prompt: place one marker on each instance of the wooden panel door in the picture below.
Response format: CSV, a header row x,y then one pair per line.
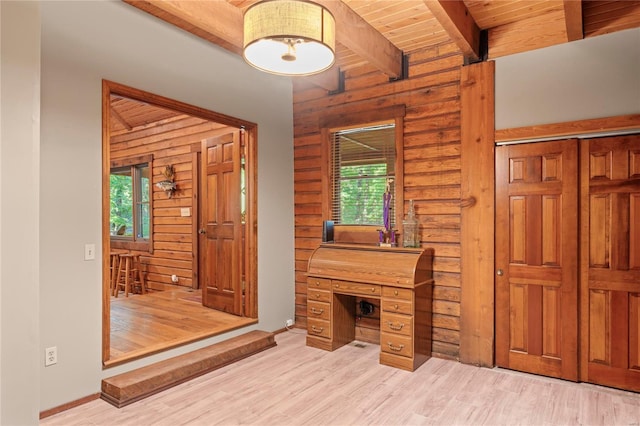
x,y
536,258
610,268
221,224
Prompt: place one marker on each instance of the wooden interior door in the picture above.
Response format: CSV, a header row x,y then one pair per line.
x,y
536,258
221,224
610,271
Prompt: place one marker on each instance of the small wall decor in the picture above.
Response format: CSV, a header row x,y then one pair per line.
x,y
168,185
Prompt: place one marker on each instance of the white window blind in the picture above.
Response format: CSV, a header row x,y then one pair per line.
x,y
363,163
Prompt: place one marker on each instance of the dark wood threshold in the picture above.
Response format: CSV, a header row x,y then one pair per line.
x,y
124,389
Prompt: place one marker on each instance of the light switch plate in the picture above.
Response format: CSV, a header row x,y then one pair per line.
x,y
89,251
185,211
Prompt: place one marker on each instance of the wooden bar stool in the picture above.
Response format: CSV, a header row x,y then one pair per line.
x,y
123,279
138,284
130,277
114,264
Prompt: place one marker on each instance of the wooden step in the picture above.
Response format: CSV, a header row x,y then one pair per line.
x,y
126,388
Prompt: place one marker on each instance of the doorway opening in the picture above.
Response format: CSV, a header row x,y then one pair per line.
x,y
179,193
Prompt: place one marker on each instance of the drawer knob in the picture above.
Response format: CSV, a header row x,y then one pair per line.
x,y
395,292
317,295
317,311
336,285
318,283
395,348
320,329
395,307
395,327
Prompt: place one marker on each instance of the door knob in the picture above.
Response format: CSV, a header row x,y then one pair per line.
x,y
202,231
500,272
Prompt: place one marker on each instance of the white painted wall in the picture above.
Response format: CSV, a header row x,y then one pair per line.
x,y
19,205
83,43
592,78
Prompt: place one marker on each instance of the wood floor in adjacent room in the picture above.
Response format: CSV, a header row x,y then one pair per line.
x,y
293,384
144,324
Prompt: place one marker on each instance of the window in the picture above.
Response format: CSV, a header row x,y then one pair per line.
x,y
130,224
363,167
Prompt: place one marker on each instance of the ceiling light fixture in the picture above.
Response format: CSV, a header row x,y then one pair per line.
x,y
289,37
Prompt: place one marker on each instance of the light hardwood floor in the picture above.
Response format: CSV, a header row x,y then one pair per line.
x,y
148,323
293,384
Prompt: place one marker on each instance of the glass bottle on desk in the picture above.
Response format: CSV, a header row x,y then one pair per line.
x,y
410,235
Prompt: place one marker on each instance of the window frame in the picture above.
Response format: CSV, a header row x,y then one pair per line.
x,y
134,242
337,179
331,123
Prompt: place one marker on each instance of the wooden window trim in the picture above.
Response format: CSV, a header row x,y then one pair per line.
x,y
332,122
131,161
128,244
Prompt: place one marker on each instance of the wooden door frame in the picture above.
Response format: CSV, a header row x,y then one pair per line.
x,y
563,130
251,129
478,141
477,214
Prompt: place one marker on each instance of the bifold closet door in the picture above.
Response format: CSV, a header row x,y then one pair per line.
x,y
610,265
536,258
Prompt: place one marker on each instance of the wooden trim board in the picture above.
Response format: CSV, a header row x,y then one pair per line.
x,y
126,388
569,129
69,405
477,214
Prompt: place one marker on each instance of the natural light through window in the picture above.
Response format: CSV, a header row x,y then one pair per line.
x,y
129,208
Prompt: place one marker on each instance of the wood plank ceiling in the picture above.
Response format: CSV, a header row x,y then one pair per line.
x,y
380,32
128,114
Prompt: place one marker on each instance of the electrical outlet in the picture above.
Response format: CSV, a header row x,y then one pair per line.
x,y
289,323
50,356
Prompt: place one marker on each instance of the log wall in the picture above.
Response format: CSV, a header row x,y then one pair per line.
x,y
432,169
172,142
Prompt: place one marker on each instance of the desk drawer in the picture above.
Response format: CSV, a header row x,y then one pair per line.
x,y
396,344
319,310
318,327
396,323
397,306
349,287
397,293
319,295
318,283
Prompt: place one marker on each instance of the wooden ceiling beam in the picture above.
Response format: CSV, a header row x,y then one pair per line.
x,y
329,79
573,19
216,21
220,23
459,24
120,119
362,38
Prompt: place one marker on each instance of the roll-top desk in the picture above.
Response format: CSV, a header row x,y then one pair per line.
x,y
400,277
